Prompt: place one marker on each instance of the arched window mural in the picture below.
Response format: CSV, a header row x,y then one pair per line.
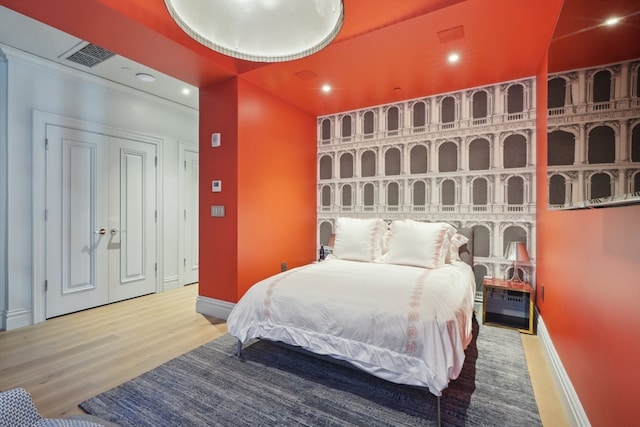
x,y
418,159
557,88
326,167
448,157
368,194
419,114
346,196
515,99
393,119
480,192
557,190
602,86
479,154
481,241
561,148
515,190
326,196
635,143
602,145
346,165
368,163
448,187
346,126
419,193
600,185
480,105
515,151
448,109
326,230
368,123
392,162
393,194
326,129
636,182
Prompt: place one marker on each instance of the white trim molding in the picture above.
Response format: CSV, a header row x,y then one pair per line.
x,y
213,307
570,400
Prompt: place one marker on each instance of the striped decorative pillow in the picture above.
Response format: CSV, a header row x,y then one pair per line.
x,y
420,244
359,239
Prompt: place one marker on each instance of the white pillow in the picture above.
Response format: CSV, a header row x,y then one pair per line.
x,y
457,241
359,239
420,244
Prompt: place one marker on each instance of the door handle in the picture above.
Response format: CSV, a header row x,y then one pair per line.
x,y
102,231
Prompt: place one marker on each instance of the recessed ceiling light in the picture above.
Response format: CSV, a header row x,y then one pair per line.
x,y
612,21
452,58
326,88
144,77
186,91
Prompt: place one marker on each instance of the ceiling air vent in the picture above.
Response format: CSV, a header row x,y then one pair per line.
x,y
90,55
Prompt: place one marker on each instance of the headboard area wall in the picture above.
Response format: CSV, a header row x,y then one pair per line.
x,y
465,157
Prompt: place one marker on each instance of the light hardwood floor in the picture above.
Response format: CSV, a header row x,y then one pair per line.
x,y
66,360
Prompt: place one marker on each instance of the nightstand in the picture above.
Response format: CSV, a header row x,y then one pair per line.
x,y
507,303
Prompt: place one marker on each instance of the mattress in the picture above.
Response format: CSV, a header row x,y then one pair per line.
x,y
409,325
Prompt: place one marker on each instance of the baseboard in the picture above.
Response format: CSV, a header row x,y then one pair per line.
x,y
14,319
570,400
213,307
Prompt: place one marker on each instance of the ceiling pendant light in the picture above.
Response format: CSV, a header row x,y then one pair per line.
x,y
260,30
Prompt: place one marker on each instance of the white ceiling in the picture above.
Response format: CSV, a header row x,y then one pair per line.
x,y
25,34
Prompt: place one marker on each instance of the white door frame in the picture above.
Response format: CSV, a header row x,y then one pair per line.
x,y
40,121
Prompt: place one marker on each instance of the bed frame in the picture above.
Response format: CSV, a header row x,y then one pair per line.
x,y
466,254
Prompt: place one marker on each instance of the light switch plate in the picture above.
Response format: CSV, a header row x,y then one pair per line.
x,y
217,211
216,186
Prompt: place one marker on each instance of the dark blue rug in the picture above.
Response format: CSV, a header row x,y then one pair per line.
x,y
273,385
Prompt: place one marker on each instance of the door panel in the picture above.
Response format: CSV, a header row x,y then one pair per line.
x,y
191,217
76,203
132,219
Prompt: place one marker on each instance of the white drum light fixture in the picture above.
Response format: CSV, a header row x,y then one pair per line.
x,y
260,30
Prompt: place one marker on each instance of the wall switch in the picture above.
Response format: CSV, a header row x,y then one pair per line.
x,y
215,140
217,211
216,186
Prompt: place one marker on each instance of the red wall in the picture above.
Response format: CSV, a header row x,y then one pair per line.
x,y
267,164
588,262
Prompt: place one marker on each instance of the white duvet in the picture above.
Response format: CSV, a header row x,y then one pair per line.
x,y
408,325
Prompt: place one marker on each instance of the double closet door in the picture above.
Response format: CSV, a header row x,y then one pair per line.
x,y
101,219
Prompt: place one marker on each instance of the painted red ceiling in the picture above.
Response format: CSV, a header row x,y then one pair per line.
x,y
381,55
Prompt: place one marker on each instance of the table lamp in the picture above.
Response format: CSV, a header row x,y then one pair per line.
x,y
516,252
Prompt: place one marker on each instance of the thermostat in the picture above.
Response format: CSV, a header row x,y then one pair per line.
x,y
216,186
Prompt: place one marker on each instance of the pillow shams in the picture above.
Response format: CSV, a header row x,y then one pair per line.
x,y
359,239
457,241
419,244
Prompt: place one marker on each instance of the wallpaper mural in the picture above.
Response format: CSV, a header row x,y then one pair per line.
x,y
594,133
465,157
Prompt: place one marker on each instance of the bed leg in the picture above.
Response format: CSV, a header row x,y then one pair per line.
x,y
438,409
239,350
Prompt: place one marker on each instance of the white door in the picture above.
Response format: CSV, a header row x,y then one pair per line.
x,y
132,219
76,221
190,240
100,234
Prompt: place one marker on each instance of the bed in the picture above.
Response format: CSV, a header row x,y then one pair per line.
x,y
393,300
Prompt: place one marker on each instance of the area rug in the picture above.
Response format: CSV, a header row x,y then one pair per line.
x,y
274,385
